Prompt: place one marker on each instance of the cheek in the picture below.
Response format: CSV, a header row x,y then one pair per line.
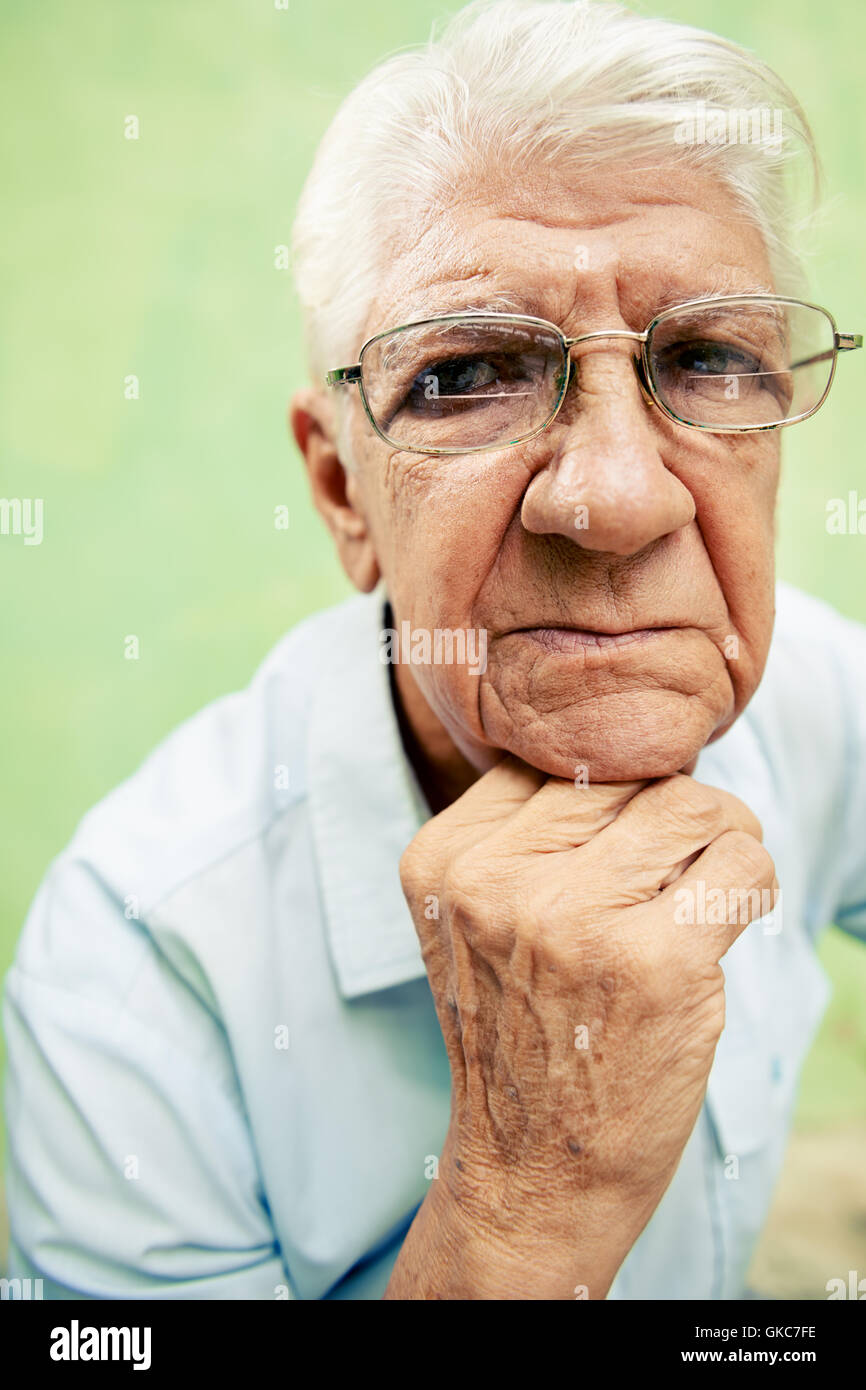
x,y
438,527
736,502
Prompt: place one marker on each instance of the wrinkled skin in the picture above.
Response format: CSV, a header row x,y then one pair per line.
x,y
553,909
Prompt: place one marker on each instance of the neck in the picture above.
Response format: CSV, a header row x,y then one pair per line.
x,y
442,771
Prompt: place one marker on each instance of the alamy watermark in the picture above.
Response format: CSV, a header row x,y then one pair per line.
x,y
854,1288
22,516
77,1343
20,1290
703,906
438,646
729,125
846,516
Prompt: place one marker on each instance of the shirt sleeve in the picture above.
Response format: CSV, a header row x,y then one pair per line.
x,y
131,1170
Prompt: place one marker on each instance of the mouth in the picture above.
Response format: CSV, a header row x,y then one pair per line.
x,y
575,639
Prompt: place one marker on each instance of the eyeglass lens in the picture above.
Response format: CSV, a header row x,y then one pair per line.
x,y
475,383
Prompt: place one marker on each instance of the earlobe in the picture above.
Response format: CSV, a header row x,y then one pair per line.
x,y
336,492
352,535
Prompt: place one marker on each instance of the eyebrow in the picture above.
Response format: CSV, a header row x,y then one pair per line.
x,y
722,283
492,304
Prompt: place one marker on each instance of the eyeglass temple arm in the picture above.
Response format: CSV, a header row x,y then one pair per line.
x,y
343,376
844,342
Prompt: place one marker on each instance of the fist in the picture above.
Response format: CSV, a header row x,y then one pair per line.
x,y
580,1010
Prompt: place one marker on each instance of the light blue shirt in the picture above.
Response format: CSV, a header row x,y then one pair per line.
x,y
226,1076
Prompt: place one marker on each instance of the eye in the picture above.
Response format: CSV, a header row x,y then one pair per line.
x,y
460,376
451,383
708,359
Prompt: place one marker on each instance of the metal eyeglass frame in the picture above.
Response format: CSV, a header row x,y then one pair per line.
x,y
842,342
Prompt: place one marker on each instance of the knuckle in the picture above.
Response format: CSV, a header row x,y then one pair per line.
x,y
412,863
472,920
464,901
742,817
485,904
421,862
468,874
695,804
746,860
460,907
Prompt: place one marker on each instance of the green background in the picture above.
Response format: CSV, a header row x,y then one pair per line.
x,y
156,257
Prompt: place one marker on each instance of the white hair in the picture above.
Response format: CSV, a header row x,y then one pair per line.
x,y
513,83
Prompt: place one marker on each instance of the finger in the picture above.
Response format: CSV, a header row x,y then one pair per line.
x,y
486,805
660,832
730,885
564,816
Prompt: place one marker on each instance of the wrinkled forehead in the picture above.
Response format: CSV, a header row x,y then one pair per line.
x,y
572,250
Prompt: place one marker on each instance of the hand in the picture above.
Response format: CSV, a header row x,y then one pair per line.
x,y
580,1012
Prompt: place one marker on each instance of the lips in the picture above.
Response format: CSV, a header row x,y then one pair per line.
x,y
572,639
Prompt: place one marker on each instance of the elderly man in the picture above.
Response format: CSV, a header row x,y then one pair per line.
x,y
555,327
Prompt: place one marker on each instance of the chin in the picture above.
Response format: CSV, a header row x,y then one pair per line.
x,y
619,751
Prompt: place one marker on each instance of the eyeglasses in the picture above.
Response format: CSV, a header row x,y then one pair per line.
x,y
460,383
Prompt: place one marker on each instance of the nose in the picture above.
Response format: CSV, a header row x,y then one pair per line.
x,y
605,484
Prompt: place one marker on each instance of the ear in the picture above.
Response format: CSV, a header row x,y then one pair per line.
x,y
336,491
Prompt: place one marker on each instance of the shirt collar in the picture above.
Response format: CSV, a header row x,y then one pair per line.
x,y
365,805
